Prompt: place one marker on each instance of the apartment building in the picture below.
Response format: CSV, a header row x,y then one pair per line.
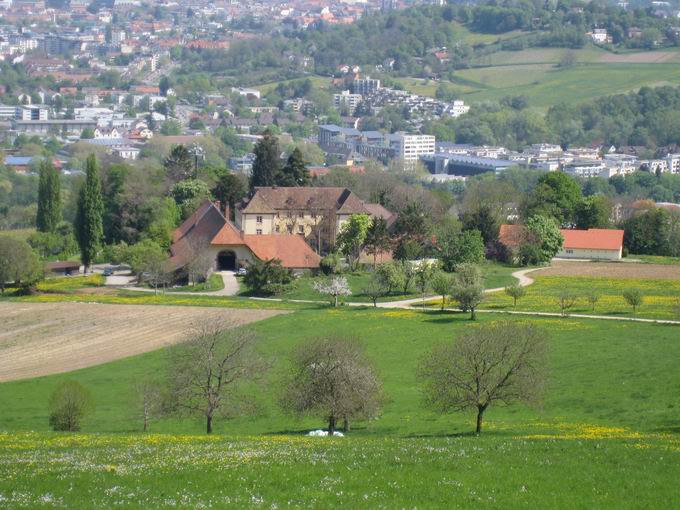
x,y
410,148
347,100
365,86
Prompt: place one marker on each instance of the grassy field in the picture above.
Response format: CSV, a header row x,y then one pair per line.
x,y
660,297
22,233
495,275
214,283
597,469
652,259
638,389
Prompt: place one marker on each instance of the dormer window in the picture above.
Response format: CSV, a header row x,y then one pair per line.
x,y
258,219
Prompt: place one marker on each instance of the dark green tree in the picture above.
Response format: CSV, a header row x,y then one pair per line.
x,y
90,209
179,164
593,212
556,195
267,164
229,189
377,239
49,198
294,172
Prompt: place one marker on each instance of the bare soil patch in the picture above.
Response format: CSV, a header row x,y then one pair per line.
x,y
645,57
48,338
622,270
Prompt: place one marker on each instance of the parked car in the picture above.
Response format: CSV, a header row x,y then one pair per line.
x,y
242,271
108,271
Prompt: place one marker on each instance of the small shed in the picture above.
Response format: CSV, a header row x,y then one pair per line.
x,y
65,268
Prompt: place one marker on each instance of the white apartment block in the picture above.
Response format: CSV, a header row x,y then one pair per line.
x,y
410,148
31,113
365,86
347,99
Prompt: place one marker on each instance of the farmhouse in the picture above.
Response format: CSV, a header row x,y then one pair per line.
x,y
592,244
207,233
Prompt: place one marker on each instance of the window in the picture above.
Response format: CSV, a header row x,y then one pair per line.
x,y
301,229
301,215
258,219
259,231
277,228
570,251
313,215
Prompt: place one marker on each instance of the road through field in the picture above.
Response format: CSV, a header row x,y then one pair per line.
x,y
48,338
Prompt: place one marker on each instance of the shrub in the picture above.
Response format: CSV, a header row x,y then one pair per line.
x,y
515,291
268,277
634,298
69,403
330,264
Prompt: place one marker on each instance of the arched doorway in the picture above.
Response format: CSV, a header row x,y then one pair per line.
x,y
226,261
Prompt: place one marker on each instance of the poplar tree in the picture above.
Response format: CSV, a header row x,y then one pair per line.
x,y
49,198
89,226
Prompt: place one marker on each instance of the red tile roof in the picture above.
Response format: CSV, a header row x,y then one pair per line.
x,y
592,239
290,249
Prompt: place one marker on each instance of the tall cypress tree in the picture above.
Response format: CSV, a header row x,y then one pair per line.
x,y
267,164
89,226
49,198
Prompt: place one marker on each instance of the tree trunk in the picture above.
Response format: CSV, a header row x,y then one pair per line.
x,y
345,425
146,423
336,300
480,413
208,427
443,298
473,314
331,426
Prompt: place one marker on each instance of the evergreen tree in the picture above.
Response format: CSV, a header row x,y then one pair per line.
x,y
49,198
179,165
295,172
89,229
266,166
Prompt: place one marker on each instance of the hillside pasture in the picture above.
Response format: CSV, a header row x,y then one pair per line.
x,y
41,339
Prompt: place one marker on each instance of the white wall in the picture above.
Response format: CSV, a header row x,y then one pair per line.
x,y
590,254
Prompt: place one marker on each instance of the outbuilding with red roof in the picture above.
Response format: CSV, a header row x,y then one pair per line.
x,y
592,244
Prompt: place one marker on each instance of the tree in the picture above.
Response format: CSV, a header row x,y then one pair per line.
x,y
332,378
566,300
335,287
501,362
352,237
294,172
468,288
207,373
267,164
149,402
377,239
441,284
90,209
634,298
423,276
189,195
87,134
69,403
179,165
545,234
267,277
484,220
19,265
374,290
593,212
556,195
49,198
458,247
155,269
515,291
229,190
592,297
390,276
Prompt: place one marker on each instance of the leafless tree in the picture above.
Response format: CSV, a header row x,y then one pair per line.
x,y
331,377
374,290
149,401
593,297
200,263
207,372
501,362
566,300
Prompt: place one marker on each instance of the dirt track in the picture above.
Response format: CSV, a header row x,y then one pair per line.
x,y
41,339
611,270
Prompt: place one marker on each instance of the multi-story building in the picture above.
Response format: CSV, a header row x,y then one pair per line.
x,y
365,86
347,100
31,113
410,148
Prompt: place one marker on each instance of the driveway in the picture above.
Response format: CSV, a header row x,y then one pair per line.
x,y
231,287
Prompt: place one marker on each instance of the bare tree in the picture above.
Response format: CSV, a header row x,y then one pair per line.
x,y
566,300
207,372
374,290
200,263
332,378
149,402
501,362
592,297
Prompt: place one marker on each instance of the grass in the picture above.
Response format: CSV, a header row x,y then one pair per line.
x,y
212,284
495,275
22,233
654,259
149,471
660,296
638,389
70,284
